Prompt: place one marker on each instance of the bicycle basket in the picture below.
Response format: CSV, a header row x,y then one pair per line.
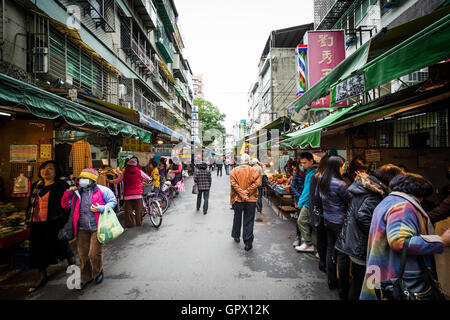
x,y
164,187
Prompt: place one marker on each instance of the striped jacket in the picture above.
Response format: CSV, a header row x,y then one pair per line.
x,y
394,220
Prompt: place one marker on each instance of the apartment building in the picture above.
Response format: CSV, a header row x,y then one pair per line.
x,y
126,53
197,82
275,87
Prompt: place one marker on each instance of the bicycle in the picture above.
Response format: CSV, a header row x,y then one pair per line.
x,y
151,207
158,195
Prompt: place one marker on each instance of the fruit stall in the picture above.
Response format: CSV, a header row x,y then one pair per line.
x,y
278,194
13,234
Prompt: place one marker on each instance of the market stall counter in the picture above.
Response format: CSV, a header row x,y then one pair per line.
x,y
13,231
279,196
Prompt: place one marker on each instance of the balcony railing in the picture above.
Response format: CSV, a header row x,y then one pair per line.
x,y
163,43
165,10
160,82
148,108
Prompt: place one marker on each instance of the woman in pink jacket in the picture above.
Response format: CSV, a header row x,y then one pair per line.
x,y
88,202
132,179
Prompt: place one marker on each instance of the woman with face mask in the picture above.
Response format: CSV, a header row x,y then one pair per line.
x,y
88,202
46,217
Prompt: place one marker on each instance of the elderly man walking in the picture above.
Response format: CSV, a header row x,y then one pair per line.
x,y
202,178
244,181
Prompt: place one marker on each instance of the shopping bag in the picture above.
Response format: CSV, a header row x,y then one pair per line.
x,y
109,226
179,186
195,189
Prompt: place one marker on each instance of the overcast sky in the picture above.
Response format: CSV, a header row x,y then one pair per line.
x,y
224,40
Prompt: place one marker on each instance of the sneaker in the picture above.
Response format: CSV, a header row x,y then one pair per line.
x,y
296,243
305,248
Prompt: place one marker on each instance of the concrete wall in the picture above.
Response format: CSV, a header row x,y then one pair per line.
x,y
14,49
284,84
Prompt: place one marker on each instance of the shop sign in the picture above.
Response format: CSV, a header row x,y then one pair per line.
x,y
45,151
23,153
130,144
326,49
348,88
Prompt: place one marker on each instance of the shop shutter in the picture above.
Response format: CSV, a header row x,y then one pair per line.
x,y
73,64
57,66
86,72
97,86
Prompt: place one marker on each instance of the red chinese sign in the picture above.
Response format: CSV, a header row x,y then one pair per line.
x,y
326,49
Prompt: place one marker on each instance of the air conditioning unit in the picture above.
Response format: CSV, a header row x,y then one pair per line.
x,y
416,77
40,59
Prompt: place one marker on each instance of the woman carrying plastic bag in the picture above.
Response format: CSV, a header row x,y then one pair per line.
x,y
109,226
89,201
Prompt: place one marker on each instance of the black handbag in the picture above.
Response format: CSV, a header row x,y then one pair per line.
x,y
423,287
315,217
67,232
316,212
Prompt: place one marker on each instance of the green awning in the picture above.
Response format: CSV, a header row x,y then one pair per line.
x,y
390,54
310,136
47,105
427,47
180,92
165,51
162,10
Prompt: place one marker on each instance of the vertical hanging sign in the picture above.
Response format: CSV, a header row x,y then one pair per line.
x,y
326,49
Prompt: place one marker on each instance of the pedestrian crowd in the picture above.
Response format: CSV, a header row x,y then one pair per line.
x,y
365,219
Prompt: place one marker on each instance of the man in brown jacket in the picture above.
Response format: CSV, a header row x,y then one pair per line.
x,y
244,181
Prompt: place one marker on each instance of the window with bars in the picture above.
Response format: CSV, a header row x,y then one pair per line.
x,y
73,64
413,130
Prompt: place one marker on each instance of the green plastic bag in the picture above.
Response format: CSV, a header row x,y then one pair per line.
x,y
109,226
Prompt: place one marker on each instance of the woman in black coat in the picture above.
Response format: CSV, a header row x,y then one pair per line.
x,y
45,217
367,191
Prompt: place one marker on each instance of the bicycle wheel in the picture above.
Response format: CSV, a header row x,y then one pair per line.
x,y
145,206
155,213
164,201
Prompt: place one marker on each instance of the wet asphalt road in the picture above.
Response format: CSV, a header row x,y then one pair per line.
x,y
193,257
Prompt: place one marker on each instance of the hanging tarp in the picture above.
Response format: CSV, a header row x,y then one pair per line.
x,y
47,105
166,72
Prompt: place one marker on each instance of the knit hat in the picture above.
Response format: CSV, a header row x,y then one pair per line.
x,y
89,173
132,162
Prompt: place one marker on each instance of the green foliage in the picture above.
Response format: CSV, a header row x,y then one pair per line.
x,y
209,116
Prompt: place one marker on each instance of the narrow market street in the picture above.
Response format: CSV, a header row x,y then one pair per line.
x,y
192,256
